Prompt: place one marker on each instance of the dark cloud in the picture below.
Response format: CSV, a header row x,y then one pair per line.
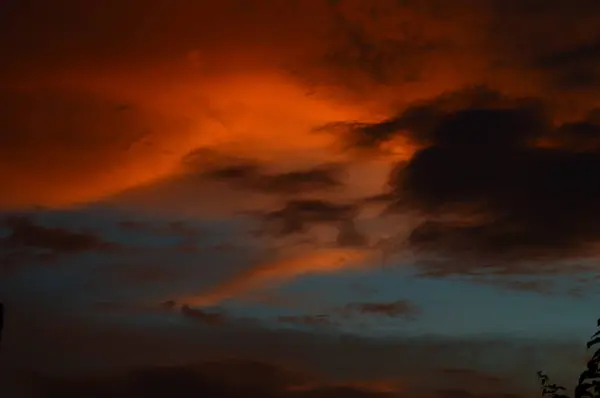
x,y
307,320
419,122
226,379
496,179
39,337
251,176
573,67
25,234
296,216
26,243
133,225
168,304
530,200
201,315
536,282
360,49
537,286
528,34
349,235
397,309
175,228
580,136
400,308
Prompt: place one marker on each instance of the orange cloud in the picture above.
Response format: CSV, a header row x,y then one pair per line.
x,y
93,111
279,270
104,102
79,144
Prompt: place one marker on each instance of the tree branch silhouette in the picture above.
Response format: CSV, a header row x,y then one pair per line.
x,y
588,385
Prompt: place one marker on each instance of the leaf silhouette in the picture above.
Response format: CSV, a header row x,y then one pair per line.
x,y
586,374
589,379
596,356
582,390
593,342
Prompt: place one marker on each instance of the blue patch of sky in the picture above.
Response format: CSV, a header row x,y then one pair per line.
x,y
450,306
63,284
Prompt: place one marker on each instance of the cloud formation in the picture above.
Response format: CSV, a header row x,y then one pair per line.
x,y
400,308
307,320
495,178
165,92
483,113
247,175
298,216
25,234
281,268
225,378
355,311
56,141
200,315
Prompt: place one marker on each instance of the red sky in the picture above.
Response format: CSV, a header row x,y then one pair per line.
x,y
306,169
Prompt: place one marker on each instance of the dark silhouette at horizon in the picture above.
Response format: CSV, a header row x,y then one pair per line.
x,y
1,320
588,385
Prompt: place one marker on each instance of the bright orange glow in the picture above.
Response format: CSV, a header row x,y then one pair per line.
x,y
277,271
262,116
172,90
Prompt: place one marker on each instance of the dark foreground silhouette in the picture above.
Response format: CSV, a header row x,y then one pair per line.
x,y
1,320
588,385
165,381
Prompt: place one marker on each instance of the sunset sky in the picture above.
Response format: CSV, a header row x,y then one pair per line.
x,y
298,198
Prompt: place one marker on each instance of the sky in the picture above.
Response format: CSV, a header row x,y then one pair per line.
x,y
298,198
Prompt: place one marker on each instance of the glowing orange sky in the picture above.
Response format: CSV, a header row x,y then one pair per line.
x,y
109,115
122,123
185,81
258,115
